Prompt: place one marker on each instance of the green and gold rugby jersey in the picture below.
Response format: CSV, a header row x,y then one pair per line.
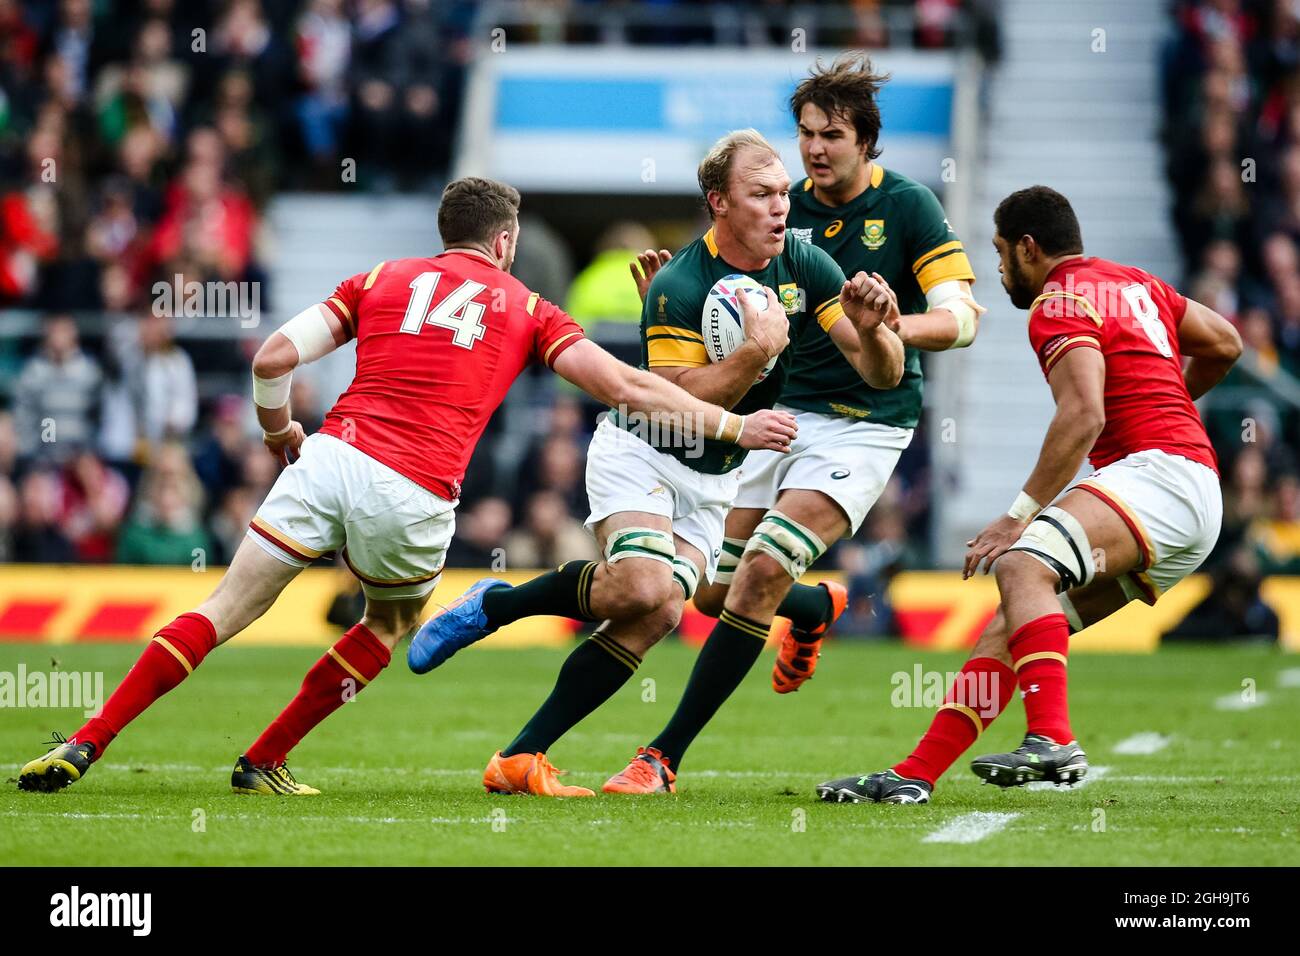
x,y
806,280
897,228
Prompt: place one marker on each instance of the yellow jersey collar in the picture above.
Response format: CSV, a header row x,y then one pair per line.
x,y
711,243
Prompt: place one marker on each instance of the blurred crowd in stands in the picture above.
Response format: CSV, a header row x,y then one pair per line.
x,y
1231,86
142,141
834,24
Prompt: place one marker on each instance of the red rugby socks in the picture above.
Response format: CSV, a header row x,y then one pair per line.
x,y
169,658
979,694
1038,651
337,677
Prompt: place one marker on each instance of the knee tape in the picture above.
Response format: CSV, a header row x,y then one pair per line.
x,y
793,546
648,543
687,575
729,560
1057,539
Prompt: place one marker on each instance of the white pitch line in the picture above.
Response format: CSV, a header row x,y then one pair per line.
x,y
1235,701
250,817
352,818
1289,677
773,775
1143,744
1093,773
307,770
970,827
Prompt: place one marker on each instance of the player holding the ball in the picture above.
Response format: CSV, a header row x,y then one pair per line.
x,y
660,494
791,508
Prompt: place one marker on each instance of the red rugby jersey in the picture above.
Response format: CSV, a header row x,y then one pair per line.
x,y
1132,317
439,342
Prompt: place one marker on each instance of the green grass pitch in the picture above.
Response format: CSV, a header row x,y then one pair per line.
x,y
400,769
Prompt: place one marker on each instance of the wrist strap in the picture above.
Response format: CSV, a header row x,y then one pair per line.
x,y
730,427
1024,507
736,426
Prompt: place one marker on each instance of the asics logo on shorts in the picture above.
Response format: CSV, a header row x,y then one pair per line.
x,y
837,475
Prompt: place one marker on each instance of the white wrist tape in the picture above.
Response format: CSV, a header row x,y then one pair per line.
x,y
310,334
272,392
1024,507
956,299
730,428
276,434
967,311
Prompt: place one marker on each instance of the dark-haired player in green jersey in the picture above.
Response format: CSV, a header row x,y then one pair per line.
x,y
791,507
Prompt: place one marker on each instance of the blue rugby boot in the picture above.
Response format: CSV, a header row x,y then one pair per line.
x,y
456,626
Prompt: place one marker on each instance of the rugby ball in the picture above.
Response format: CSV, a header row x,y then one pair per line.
x,y
722,324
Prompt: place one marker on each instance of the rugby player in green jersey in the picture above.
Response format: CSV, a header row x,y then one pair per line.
x,y
791,507
658,503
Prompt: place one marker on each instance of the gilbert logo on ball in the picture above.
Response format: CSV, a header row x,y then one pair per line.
x,y
722,323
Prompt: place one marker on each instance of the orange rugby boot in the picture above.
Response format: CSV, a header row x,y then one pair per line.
x,y
796,659
647,773
528,774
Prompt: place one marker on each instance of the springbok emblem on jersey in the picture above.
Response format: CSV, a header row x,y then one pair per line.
x,y
873,233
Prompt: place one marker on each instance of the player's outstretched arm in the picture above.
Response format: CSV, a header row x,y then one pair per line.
x,y
864,339
615,383
1078,382
306,337
950,322
1212,344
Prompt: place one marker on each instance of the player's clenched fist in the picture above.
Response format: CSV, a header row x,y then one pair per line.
x,y
867,300
768,429
284,445
892,315
769,328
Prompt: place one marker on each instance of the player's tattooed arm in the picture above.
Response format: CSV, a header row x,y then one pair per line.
x,y
865,340
724,383
1212,344
1078,382
644,268
615,383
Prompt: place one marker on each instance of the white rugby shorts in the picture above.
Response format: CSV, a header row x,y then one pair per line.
x,y
624,473
1173,506
848,460
393,532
